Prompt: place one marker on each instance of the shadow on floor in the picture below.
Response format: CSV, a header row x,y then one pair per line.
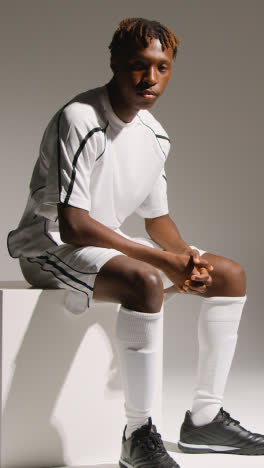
x,y
40,367
104,465
171,446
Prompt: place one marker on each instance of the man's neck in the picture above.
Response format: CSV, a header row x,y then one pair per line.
x,y
119,106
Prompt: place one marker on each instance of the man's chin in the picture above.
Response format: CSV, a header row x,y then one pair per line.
x,y
146,104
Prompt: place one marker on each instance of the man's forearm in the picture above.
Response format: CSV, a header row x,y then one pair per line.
x,y
164,232
77,227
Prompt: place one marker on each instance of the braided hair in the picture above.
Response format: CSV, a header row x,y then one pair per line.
x,y
141,31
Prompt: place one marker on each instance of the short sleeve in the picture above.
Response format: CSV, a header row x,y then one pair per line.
x,y
74,146
76,157
156,203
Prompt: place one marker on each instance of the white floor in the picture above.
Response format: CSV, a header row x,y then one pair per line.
x,y
244,402
201,461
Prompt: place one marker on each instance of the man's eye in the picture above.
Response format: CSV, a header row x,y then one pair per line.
x,y
163,68
136,66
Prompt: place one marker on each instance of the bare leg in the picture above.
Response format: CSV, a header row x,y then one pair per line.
x,y
132,283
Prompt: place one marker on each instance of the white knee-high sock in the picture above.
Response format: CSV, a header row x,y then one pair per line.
x,y
217,335
138,338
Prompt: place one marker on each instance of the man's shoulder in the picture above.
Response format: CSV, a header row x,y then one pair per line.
x,y
86,109
148,119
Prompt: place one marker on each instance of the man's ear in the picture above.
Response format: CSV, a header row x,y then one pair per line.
x,y
113,64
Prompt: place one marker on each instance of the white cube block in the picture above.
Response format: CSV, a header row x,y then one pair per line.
x,y
62,399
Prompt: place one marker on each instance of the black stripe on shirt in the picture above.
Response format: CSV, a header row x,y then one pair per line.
x,y
76,156
58,144
58,150
36,190
104,142
162,136
156,135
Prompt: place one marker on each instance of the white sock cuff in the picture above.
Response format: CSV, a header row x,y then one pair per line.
x,y
222,309
139,329
141,315
225,299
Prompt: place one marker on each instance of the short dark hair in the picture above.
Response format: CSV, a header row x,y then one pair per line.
x,y
141,31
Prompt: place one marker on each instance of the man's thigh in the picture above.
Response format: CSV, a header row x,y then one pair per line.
x,y
94,272
67,267
126,280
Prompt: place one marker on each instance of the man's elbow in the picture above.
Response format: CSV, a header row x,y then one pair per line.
x,y
74,233
67,235
69,232
69,224
74,225
148,222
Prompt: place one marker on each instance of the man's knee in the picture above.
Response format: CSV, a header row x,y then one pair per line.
x,y
234,272
231,277
148,288
134,284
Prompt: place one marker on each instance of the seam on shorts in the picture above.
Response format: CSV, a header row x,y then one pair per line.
x,y
68,275
30,260
77,271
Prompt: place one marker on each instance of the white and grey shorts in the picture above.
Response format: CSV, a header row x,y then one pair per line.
x,y
69,267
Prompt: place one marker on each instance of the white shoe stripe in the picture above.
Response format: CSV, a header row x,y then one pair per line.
x,y
217,448
125,463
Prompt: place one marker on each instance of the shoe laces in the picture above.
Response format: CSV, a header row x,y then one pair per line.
x,y
228,419
150,441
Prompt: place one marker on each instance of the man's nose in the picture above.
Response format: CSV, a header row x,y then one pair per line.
x,y
150,76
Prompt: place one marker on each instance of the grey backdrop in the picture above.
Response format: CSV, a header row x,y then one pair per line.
x,y
212,110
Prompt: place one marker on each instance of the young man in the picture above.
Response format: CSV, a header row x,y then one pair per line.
x,y
102,158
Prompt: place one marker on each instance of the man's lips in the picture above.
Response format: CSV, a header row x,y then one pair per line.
x,y
147,94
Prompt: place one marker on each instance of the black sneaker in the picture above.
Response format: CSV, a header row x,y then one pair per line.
x,y
144,448
223,435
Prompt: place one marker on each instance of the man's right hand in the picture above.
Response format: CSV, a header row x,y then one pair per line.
x,y
181,267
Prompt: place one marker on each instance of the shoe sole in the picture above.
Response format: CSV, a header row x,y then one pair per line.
x,y
124,464
192,448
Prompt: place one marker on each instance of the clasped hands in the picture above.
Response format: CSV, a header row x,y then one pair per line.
x,y
199,278
188,271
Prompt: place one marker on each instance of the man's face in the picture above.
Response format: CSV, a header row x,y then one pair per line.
x,y
143,75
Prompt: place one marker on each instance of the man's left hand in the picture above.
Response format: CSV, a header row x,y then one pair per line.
x,y
200,278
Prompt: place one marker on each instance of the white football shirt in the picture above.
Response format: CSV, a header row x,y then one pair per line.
x,y
91,159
